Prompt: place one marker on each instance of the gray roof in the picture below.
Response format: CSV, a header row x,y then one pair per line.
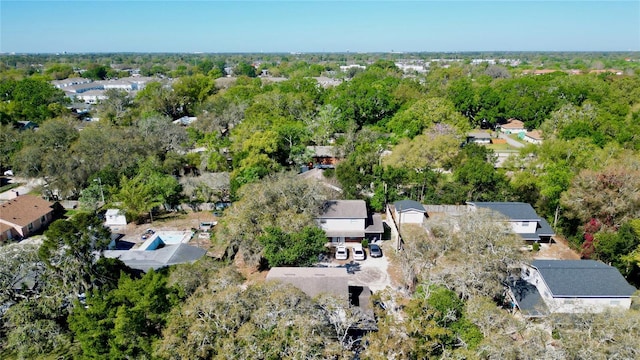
x,y
544,229
583,278
479,135
344,209
408,205
515,211
374,224
156,259
313,281
528,298
322,151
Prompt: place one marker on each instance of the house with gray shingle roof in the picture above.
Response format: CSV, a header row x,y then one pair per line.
x,y
144,260
349,221
408,212
571,286
334,281
522,217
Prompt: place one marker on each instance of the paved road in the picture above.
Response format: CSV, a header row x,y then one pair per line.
x,y
510,141
29,184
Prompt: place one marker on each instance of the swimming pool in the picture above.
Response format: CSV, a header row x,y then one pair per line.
x,y
162,238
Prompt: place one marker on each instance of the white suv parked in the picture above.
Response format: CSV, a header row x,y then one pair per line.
x,y
342,253
358,252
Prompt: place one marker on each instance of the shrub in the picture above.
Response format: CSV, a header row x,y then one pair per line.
x,y
536,246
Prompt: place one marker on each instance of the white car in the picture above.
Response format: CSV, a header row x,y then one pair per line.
x,y
358,252
342,253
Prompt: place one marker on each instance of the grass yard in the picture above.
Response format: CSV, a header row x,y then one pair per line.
x,y
9,187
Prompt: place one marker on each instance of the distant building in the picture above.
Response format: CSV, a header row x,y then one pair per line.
x,y
480,137
522,218
62,84
534,137
324,157
92,96
513,126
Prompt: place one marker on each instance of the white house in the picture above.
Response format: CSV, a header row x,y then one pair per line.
x,y
349,221
408,212
534,137
120,84
570,286
92,96
479,137
115,220
62,84
513,126
522,218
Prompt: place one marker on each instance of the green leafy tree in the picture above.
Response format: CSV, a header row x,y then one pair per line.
x,y
194,90
367,98
293,249
244,69
293,204
59,71
96,72
116,107
124,322
69,250
136,198
33,99
426,113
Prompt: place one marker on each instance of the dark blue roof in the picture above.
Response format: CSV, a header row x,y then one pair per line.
x,y
512,210
544,229
583,278
528,298
407,205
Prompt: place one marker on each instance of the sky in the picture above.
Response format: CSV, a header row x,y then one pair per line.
x,y
317,26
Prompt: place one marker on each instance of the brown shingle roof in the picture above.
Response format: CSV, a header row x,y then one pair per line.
x,y
513,124
4,227
24,210
535,134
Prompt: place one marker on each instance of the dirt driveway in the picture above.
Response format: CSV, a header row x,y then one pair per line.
x,y
559,250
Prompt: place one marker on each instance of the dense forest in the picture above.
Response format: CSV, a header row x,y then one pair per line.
x,y
399,134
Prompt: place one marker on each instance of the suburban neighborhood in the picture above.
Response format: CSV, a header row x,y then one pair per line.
x,y
325,206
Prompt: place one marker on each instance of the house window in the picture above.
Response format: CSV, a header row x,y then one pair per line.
x,y
323,221
30,226
43,219
353,221
525,223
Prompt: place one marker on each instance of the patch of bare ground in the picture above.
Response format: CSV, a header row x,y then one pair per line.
x,y
250,272
172,221
394,270
559,250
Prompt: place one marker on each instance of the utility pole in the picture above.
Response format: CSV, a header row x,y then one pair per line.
x,y
101,192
